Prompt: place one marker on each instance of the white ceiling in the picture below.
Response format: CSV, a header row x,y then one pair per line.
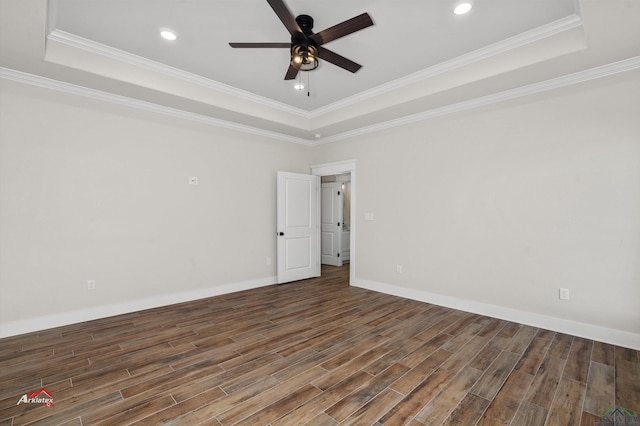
x,y
418,58
407,36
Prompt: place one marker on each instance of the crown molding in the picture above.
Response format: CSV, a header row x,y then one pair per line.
x,y
47,83
531,89
555,83
121,56
536,34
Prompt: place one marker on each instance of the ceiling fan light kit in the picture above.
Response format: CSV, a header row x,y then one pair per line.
x,y
304,57
306,46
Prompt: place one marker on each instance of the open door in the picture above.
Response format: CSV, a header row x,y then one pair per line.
x,y
331,223
298,227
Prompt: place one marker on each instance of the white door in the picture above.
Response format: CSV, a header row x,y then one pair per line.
x,y
298,227
331,223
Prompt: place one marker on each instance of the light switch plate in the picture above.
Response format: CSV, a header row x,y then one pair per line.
x,y
564,294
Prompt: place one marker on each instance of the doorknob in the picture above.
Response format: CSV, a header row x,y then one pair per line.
x,y
281,234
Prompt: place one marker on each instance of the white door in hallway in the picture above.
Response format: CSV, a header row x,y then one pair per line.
x,y
298,227
331,223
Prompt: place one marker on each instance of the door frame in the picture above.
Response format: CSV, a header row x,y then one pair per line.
x,y
338,168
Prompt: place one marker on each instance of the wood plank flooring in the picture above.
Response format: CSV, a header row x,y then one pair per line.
x,y
315,352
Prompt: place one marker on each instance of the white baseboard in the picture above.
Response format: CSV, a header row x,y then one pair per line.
x,y
588,331
40,323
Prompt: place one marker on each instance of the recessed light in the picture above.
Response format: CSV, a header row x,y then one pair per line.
x,y
168,35
462,8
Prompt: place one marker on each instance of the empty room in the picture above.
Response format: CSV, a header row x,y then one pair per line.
x,y
286,212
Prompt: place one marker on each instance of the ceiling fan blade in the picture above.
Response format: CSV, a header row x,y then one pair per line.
x,y
285,16
260,45
342,29
338,60
292,72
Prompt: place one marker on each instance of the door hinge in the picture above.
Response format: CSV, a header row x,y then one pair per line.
x,y
338,254
338,192
338,223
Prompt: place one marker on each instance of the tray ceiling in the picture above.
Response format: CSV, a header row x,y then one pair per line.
x,y
416,58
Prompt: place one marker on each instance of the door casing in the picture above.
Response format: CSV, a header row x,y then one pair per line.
x,y
338,168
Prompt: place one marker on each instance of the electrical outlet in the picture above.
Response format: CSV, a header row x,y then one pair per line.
x,y
564,294
368,216
91,284
399,269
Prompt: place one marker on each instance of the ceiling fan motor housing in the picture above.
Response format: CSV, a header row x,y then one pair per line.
x,y
306,24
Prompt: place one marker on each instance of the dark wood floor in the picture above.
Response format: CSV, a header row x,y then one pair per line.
x,y
317,352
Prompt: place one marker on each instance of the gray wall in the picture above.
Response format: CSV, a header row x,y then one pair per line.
x,y
91,190
499,207
493,207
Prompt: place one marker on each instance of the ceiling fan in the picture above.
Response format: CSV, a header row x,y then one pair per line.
x,y
306,46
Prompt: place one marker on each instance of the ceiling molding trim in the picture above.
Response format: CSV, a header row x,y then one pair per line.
x,y
536,34
114,54
502,46
47,83
559,82
531,89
